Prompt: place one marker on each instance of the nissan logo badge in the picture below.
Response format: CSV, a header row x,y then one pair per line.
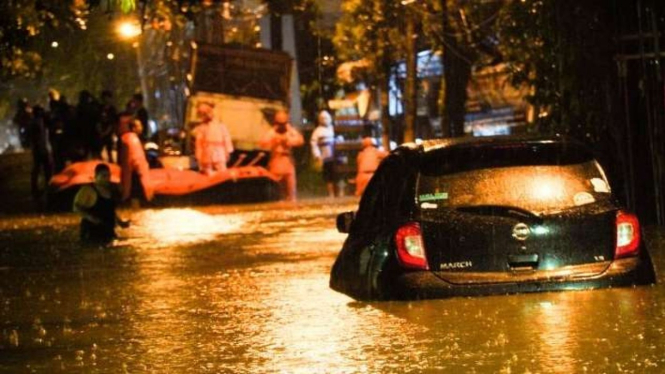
x,y
521,231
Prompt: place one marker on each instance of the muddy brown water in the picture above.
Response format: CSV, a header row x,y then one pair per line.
x,y
245,290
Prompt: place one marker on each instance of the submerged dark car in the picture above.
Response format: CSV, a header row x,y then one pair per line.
x,y
480,216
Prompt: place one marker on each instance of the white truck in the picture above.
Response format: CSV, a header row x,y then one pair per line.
x,y
247,85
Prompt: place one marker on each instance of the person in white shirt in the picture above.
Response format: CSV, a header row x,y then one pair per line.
x,y
323,150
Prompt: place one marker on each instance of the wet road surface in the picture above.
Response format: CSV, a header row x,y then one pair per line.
x,y
245,290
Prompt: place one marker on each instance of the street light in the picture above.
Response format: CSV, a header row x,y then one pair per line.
x,y
130,29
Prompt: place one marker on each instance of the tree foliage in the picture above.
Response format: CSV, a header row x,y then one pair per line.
x,y
22,21
462,30
563,50
26,53
371,30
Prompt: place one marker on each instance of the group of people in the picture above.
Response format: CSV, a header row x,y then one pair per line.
x,y
213,147
63,133
96,203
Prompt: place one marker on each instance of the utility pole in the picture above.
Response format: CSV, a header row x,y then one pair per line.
x,y
384,79
457,72
411,72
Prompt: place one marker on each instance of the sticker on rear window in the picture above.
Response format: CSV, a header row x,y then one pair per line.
x,y
582,198
600,185
433,196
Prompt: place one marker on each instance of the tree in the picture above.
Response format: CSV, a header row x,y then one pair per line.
x,y
465,33
78,51
463,30
316,60
22,21
370,30
564,51
569,53
169,26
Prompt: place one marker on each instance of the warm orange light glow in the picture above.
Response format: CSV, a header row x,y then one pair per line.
x,y
128,29
547,188
174,226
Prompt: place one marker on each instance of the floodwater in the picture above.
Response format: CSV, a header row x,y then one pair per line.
x,y
245,290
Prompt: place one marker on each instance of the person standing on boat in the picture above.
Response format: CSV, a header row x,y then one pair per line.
x,y
280,140
213,146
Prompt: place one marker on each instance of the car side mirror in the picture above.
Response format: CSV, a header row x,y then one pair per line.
x,y
344,221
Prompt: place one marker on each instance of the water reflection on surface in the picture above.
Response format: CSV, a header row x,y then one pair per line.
x,y
182,226
245,290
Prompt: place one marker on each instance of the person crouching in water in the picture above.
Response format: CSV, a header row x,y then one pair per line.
x,y
96,204
213,143
280,140
368,161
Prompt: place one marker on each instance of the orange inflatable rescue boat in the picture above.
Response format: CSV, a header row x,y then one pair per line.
x,y
172,186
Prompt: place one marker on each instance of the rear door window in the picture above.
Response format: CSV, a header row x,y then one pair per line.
x,y
541,179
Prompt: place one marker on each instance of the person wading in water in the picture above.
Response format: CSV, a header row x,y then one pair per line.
x,y
96,203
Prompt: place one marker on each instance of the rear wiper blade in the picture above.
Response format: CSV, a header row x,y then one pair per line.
x,y
500,210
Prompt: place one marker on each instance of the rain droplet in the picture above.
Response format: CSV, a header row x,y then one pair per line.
x,y
13,338
79,357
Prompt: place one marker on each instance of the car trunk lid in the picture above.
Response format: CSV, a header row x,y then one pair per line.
x,y
499,244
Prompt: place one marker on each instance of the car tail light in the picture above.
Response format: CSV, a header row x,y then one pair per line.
x,y
410,248
628,235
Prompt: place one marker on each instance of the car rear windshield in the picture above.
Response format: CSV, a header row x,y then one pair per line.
x,y
541,178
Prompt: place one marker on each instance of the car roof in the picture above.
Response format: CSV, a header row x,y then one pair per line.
x,y
434,145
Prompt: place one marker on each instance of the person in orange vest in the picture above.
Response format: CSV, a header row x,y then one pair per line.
x,y
213,145
280,140
134,178
368,161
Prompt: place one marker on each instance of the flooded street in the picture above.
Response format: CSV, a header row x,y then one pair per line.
x,y
245,290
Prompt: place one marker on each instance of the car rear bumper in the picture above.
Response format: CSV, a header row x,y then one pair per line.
x,y
426,285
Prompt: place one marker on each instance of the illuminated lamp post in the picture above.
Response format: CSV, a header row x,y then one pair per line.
x,y
131,30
